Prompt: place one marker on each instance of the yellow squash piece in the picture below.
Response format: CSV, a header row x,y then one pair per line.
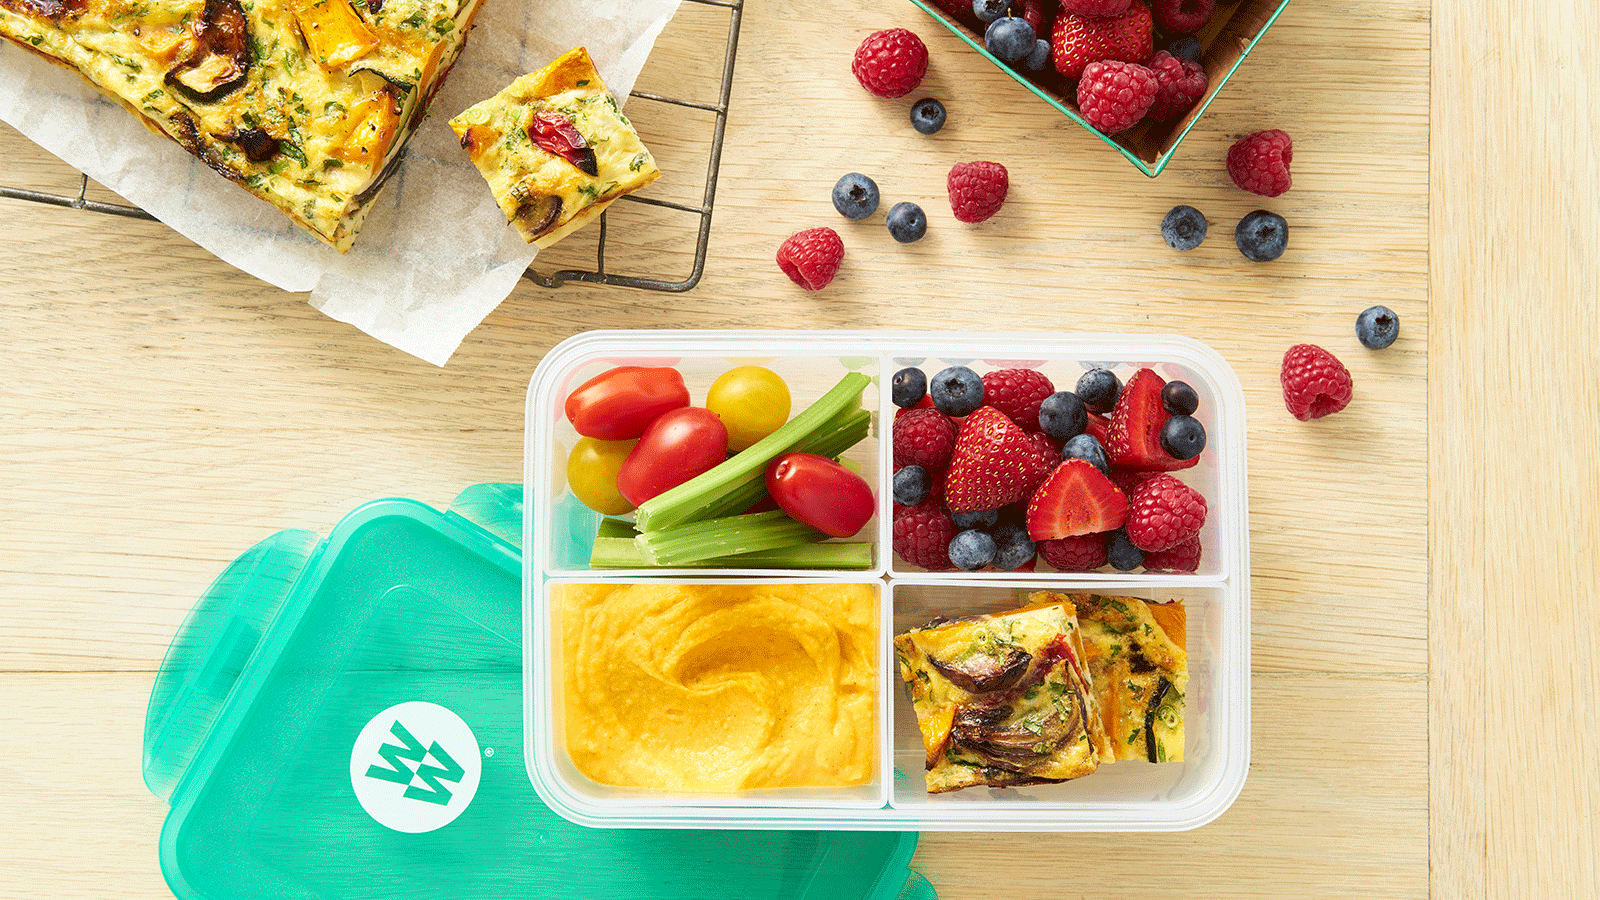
x,y
333,31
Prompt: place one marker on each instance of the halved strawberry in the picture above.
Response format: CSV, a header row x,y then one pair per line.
x,y
1133,440
1097,427
994,463
1076,499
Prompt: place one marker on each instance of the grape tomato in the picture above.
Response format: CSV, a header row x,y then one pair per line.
x,y
619,404
821,493
592,469
680,444
753,402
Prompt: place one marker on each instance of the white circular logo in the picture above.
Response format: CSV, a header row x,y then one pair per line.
x,y
415,767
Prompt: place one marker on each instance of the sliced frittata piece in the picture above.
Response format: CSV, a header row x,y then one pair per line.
x,y
1140,669
305,103
1003,699
555,148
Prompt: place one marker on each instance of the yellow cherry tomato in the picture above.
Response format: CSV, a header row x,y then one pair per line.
x,y
752,402
592,468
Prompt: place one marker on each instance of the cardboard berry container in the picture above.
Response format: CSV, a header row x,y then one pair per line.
x,y
1126,796
1233,32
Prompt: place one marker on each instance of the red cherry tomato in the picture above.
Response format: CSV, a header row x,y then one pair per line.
x,y
619,404
677,446
821,493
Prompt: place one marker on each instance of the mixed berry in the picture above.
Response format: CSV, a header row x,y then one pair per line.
x,y
1010,473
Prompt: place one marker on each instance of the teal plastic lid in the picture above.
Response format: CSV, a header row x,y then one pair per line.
x,y
342,718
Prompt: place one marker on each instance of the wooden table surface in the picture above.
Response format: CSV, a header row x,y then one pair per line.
x,y
1425,654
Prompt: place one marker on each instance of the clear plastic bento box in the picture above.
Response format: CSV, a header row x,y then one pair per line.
x,y
1128,796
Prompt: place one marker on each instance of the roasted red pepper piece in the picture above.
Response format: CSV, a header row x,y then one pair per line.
x,y
554,133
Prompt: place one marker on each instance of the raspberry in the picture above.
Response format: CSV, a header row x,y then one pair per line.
x,y
1315,384
1185,557
1113,96
1082,553
924,437
1179,86
1184,16
977,189
810,258
1128,480
1163,512
1017,393
890,63
1095,8
1259,163
922,535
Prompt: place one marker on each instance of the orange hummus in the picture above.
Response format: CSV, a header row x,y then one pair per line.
x,y
719,688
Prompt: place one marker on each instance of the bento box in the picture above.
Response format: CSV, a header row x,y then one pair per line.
x,y
566,643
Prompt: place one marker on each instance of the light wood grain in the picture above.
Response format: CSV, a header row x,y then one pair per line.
x,y
1515,639
161,412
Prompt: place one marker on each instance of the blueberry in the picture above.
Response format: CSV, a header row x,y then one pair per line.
x,y
982,518
1183,437
927,115
855,196
1087,448
1185,46
910,485
1183,228
907,222
1098,389
971,550
1178,398
1039,59
956,391
1013,547
1063,415
908,387
1010,39
1262,236
1121,552
989,10
1377,327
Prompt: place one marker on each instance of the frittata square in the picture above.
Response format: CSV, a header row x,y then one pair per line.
x,y
305,103
1003,700
555,148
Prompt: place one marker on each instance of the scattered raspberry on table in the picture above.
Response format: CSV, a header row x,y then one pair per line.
x,y
1259,162
977,190
891,63
1315,383
811,258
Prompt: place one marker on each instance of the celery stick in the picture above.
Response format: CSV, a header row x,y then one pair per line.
x,y
623,553
615,528
723,537
691,500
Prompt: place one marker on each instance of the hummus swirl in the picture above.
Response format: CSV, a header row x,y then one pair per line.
x,y
720,688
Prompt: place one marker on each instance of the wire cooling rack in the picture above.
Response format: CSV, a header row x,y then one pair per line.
x,y
598,274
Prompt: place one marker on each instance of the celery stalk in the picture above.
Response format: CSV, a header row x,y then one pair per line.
x,y
714,490
623,553
724,537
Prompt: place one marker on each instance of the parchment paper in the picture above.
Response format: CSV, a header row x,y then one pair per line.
x,y
436,255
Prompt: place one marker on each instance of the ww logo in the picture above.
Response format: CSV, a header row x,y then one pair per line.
x,y
415,785
430,791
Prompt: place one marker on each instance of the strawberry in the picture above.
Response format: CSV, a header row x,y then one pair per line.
x,y
1133,441
924,403
994,463
1017,393
1077,41
1075,499
1097,427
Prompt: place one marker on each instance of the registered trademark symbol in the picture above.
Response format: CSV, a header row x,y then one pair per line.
x,y
488,751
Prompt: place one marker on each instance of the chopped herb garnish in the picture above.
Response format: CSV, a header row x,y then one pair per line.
x,y
414,20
